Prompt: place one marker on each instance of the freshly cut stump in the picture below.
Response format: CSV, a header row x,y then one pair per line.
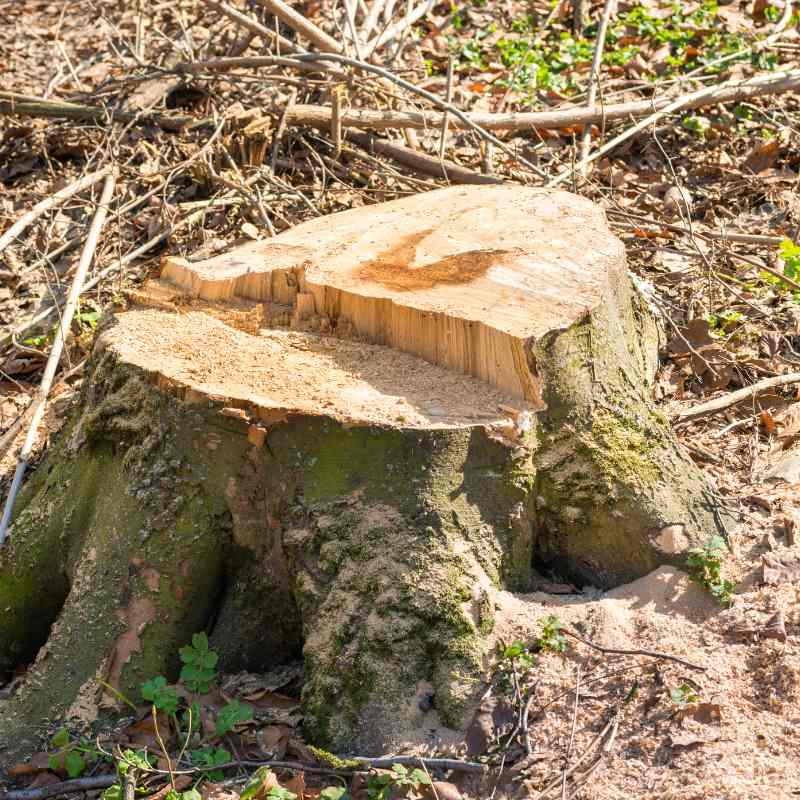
x,y
338,444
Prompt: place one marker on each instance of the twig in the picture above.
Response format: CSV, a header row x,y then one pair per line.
x,y
279,131
255,27
572,733
65,787
445,116
427,165
50,202
302,25
14,104
618,651
398,27
728,400
788,80
58,347
386,762
371,119
594,75
337,96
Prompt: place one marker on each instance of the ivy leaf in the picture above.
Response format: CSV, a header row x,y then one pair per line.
x,y
74,764
61,739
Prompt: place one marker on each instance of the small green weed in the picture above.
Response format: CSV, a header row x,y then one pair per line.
x,y
73,756
232,714
380,786
683,695
552,640
705,569
163,697
199,662
211,757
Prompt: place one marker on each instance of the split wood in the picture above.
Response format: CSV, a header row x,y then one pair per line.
x,y
618,651
58,347
728,400
45,205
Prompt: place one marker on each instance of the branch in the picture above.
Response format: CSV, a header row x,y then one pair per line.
x,y
617,651
14,104
45,205
427,165
753,87
720,403
594,74
65,787
297,22
255,27
369,119
58,348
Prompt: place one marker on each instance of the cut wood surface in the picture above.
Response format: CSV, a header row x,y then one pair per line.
x,y
466,278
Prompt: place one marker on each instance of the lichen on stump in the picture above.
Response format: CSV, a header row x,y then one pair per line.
x,y
340,443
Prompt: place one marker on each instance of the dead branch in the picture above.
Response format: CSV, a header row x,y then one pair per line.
x,y
398,27
720,403
14,104
420,162
64,787
594,74
297,22
58,347
786,81
50,202
618,651
371,119
253,26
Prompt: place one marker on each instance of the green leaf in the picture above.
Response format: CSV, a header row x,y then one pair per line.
x,y
191,794
163,697
334,793
256,784
279,793
54,763
61,739
231,715
112,793
420,776
74,764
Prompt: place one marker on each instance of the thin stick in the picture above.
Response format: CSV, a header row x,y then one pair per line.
x,y
594,75
398,27
572,733
692,100
14,104
350,12
303,26
649,653
445,116
50,202
58,348
337,96
728,400
420,162
255,27
372,17
64,787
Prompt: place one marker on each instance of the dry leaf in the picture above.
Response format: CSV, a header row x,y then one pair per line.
x,y
783,569
762,156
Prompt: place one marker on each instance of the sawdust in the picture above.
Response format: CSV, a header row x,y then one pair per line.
x,y
301,372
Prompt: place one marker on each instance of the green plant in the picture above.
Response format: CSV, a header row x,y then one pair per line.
x,y
72,755
705,569
334,793
517,652
163,697
379,787
211,757
199,661
232,714
683,694
552,640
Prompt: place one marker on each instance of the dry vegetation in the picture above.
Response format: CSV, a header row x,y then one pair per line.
x,y
209,151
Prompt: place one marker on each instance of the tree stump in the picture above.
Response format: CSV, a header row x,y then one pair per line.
x,y
338,444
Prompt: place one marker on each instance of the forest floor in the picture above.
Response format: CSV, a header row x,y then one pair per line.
x,y
707,203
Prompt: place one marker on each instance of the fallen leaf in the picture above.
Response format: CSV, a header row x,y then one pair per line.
x,y
783,569
689,739
762,156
